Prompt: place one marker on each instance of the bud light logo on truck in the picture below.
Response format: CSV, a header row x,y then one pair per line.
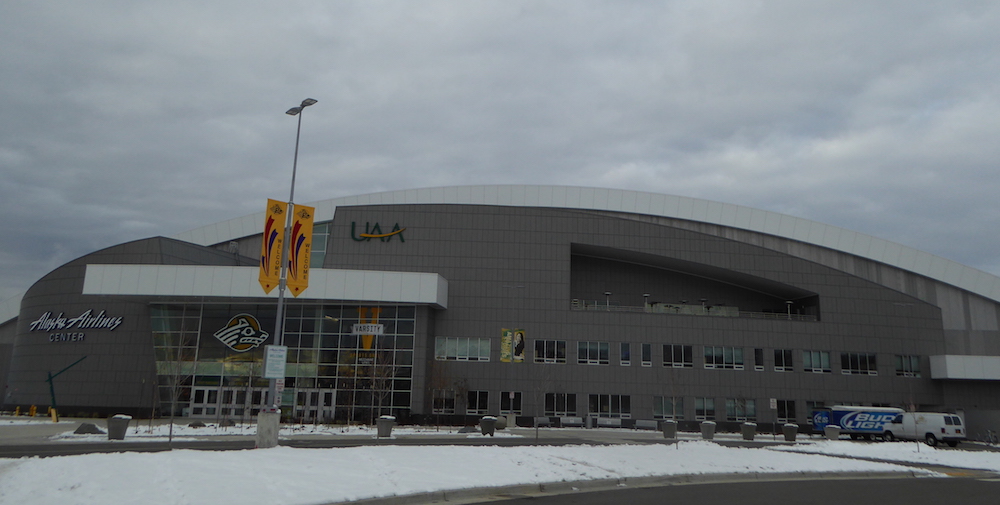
x,y
821,418
866,421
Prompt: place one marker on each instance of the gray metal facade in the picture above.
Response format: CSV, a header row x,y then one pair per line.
x,y
524,267
547,271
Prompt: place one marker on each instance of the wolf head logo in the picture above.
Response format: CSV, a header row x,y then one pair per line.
x,y
242,333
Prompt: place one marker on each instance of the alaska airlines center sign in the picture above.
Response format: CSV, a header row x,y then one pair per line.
x,y
375,231
59,327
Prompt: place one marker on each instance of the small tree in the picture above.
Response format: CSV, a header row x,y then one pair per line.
x,y
176,372
382,374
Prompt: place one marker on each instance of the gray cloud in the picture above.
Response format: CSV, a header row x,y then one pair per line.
x,y
124,120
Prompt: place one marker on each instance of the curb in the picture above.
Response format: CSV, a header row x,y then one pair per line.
x,y
484,494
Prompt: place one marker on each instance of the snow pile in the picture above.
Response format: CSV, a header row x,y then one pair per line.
x,y
159,433
290,476
906,452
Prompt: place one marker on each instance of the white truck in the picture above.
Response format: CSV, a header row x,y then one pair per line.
x,y
931,427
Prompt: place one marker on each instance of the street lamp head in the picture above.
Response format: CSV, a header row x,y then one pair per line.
x,y
294,111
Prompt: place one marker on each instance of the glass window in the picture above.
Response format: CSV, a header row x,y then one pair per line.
x,y
668,407
816,361
907,366
678,356
444,401
786,411
550,351
462,348
855,363
704,409
626,354
510,402
615,406
478,404
783,360
647,355
593,353
560,404
724,358
321,232
741,409
758,359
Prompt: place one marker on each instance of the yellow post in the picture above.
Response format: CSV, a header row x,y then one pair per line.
x,y
17,410
32,411
55,415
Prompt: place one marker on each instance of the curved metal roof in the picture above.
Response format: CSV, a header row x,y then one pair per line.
x,y
638,202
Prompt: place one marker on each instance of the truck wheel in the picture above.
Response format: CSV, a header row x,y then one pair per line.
x,y
931,440
888,437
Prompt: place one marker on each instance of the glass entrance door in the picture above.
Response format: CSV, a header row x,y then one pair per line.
x,y
315,405
237,404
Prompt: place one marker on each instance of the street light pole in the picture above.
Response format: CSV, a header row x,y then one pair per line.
x,y
279,337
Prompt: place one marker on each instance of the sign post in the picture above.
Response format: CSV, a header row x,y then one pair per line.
x,y
774,408
277,250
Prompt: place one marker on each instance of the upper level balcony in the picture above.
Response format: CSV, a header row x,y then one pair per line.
x,y
688,310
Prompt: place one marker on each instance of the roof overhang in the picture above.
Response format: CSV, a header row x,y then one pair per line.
x,y
241,282
953,366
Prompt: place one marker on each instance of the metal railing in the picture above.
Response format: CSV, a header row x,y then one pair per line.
x,y
687,310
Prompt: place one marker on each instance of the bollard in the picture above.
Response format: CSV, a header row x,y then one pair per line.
x,y
488,425
831,432
708,430
384,426
118,426
669,428
790,431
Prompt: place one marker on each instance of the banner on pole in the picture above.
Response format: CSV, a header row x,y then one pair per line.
x,y
301,248
270,250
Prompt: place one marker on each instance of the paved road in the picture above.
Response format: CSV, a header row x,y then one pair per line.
x,y
925,491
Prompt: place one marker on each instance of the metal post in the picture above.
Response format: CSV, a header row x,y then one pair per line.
x,y
268,421
279,323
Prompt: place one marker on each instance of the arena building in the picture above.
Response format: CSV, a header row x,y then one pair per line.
x,y
447,304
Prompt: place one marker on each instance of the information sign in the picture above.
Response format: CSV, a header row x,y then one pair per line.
x,y
275,357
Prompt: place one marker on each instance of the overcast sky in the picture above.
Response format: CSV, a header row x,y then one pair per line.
x,y
124,120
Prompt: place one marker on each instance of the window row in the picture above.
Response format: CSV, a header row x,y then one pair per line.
x,y
462,348
613,406
680,356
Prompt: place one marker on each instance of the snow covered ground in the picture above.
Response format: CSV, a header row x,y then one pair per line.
x,y
290,476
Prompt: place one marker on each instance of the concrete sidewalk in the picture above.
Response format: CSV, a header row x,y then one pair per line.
x,y
39,430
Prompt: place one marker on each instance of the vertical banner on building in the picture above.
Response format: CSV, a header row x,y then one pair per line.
x,y
506,341
368,326
270,249
518,345
301,249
